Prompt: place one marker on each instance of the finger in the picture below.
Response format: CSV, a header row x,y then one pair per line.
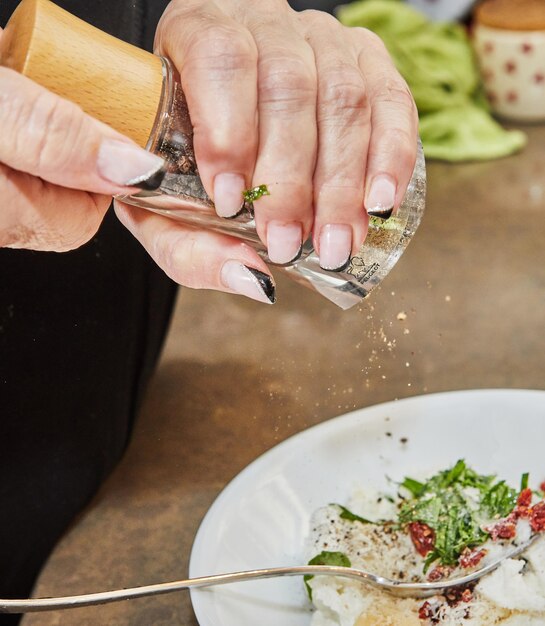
x,y
217,61
287,88
52,138
343,115
394,124
200,259
37,215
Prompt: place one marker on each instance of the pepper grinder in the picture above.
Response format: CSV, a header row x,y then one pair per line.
x,y
140,95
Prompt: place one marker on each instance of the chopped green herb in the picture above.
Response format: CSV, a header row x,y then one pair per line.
x,y
524,481
414,486
338,559
499,500
392,223
352,517
454,503
456,472
251,195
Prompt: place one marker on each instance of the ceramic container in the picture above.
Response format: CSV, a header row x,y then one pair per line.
x,y
510,49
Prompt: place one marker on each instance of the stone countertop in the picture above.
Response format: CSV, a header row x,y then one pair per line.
x,y
237,377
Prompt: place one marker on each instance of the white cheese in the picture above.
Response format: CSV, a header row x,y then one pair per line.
x,y
513,595
518,585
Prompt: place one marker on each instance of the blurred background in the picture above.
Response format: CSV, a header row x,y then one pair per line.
x,y
437,9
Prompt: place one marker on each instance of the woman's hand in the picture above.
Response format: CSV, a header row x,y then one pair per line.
x,y
313,109
296,101
58,168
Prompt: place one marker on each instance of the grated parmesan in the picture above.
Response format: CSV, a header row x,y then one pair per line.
x,y
513,595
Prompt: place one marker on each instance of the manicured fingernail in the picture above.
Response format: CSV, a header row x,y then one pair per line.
x,y
228,189
127,164
284,241
381,197
248,281
335,246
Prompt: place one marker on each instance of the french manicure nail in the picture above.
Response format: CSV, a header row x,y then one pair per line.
x,y
284,241
228,190
150,182
381,197
335,246
129,165
248,281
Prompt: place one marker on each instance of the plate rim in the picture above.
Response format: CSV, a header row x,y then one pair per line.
x,y
329,423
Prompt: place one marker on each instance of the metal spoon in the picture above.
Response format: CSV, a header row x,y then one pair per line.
x,y
396,588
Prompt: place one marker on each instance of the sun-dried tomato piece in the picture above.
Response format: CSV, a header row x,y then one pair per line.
x,y
521,512
502,529
471,558
423,537
537,517
439,572
525,498
426,611
431,612
467,595
542,486
456,595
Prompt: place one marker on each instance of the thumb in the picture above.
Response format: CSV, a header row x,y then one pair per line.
x,y
52,138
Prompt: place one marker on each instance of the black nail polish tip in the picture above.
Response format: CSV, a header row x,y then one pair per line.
x,y
151,182
341,268
249,207
237,214
294,260
384,214
265,282
298,255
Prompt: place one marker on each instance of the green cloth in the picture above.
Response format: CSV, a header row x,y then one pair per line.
x,y
436,60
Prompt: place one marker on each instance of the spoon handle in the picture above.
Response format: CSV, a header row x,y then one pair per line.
x,y
34,605
398,588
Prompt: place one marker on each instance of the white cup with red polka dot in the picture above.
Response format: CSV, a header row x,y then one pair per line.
x,y
512,66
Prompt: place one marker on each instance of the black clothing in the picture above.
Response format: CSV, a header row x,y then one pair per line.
x,y
79,335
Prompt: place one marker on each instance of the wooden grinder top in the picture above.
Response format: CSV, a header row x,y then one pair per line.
x,y
111,80
520,15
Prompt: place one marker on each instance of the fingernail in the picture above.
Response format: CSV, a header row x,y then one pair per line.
x,y
335,246
284,241
228,190
127,164
381,197
248,281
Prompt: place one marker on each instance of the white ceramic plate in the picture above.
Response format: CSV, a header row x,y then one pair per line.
x,y
261,518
